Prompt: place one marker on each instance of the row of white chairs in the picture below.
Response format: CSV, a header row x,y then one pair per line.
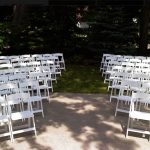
x,y
57,58
110,73
19,101
119,58
16,113
134,98
135,64
131,87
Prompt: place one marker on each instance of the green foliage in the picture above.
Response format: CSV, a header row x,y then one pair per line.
x,y
112,30
4,34
47,27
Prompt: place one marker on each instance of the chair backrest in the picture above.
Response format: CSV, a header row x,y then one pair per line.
x,y
3,57
137,70
147,61
60,56
127,64
53,58
34,64
138,97
135,60
13,57
16,60
116,68
19,65
27,69
4,66
142,65
4,61
128,57
29,84
41,59
28,59
10,87
122,60
141,77
146,86
130,83
47,55
37,75
25,56
20,97
3,79
36,55
16,78
140,57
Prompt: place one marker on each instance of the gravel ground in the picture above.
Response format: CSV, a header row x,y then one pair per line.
x,y
78,122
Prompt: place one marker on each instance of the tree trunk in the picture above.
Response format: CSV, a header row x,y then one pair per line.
x,y
144,30
19,13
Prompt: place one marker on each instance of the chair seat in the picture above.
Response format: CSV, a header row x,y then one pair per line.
x,y
24,89
3,118
33,99
124,98
119,87
40,87
140,115
21,115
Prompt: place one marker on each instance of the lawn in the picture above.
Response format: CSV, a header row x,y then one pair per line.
x,y
80,79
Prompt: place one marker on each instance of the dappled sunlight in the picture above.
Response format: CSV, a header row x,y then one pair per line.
x,y
78,122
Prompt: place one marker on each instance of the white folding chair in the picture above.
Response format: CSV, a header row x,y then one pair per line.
x,y
27,86
16,78
5,119
126,97
103,60
23,114
46,69
61,60
42,79
55,59
136,116
53,69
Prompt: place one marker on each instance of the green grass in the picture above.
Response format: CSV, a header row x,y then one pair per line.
x,y
80,79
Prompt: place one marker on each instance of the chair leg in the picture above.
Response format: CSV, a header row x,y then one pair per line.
x,y
42,108
116,107
127,127
111,94
34,126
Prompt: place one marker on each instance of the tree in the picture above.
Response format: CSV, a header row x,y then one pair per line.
x,y
145,14
112,31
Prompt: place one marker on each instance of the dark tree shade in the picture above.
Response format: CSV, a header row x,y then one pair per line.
x,y
144,30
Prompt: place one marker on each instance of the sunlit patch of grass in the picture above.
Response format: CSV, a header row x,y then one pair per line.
x,y
81,79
